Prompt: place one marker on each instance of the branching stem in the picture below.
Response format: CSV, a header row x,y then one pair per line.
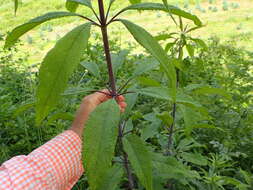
x,y
106,47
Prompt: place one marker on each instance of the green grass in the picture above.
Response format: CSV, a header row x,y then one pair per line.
x,y
224,24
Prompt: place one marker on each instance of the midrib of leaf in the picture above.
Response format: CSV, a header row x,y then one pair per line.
x,y
60,70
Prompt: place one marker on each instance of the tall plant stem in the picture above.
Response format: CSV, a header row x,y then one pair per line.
x,y
125,158
174,109
107,48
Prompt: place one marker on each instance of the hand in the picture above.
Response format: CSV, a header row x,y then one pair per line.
x,y
89,103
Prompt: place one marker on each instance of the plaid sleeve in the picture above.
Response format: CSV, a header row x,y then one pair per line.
x,y
55,165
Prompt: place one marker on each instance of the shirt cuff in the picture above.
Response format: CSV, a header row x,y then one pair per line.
x,y
63,156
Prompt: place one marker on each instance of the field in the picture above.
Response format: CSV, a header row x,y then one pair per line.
x,y
237,22
188,119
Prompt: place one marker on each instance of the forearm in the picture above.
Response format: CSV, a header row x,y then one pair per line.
x,y
55,165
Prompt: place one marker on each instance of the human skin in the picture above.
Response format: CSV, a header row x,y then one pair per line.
x,y
89,103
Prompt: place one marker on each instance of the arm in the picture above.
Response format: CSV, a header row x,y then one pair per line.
x,y
56,164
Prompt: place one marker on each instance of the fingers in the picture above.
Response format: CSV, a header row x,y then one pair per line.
x,y
122,103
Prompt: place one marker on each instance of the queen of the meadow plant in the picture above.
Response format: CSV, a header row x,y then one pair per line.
x,y
103,128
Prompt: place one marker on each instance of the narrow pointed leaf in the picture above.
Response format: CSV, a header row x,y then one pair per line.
x,y
112,178
62,115
91,67
99,142
57,67
169,9
22,29
151,45
140,159
81,2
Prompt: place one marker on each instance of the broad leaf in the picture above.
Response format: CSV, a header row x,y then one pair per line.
x,y
57,67
111,178
91,67
140,159
194,158
81,2
22,29
151,45
99,142
170,9
166,118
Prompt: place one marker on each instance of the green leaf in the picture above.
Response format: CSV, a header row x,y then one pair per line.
x,y
170,9
22,29
81,2
165,2
145,66
151,45
194,158
111,2
63,116
111,178
57,67
100,138
71,6
91,67
190,49
140,159
134,1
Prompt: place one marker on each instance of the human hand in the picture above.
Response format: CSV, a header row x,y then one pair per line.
x,y
89,103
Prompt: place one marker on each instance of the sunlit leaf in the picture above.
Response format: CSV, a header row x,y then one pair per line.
x,y
22,29
170,9
57,67
151,45
99,142
140,159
